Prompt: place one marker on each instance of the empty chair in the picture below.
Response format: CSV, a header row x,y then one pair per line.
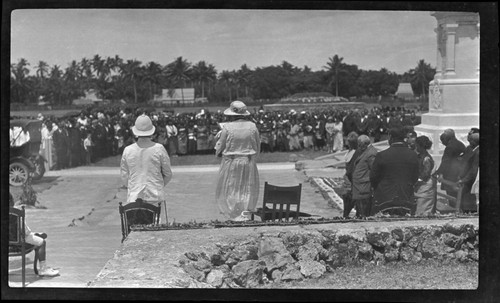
x,y
277,203
138,212
17,243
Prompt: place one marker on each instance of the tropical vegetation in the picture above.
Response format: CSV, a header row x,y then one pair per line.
x,y
114,78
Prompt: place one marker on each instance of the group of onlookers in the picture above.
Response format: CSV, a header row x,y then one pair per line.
x,y
401,180
394,178
96,133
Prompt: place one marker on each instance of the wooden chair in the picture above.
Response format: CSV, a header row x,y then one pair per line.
x,y
17,244
138,212
279,199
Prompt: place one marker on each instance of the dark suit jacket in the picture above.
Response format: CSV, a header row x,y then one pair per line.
x,y
393,175
361,186
468,176
451,165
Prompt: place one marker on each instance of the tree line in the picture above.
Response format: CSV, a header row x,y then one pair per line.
x,y
114,78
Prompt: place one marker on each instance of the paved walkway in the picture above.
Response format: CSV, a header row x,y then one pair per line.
x,y
82,221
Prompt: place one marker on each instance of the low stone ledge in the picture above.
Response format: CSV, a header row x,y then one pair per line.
x,y
247,257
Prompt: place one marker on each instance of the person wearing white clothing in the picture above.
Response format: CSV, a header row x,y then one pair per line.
x,y
145,166
172,141
237,188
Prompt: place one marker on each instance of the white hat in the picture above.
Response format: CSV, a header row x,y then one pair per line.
x,y
143,126
237,108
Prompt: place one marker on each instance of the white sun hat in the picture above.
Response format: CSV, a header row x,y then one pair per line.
x,y
143,126
237,108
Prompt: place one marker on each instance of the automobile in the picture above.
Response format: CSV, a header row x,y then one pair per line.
x,y
25,159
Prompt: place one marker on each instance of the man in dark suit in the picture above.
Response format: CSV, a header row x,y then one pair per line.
x,y
361,187
393,176
450,167
75,144
469,171
61,143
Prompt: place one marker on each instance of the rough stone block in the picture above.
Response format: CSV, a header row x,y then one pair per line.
x,y
248,273
215,278
291,272
276,260
311,269
308,251
270,245
365,252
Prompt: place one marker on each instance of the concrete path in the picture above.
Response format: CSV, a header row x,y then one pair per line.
x,y
82,221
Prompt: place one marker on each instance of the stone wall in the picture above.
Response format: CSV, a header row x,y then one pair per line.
x,y
297,255
246,257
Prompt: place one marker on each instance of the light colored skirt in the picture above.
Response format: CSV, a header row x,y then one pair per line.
x,y
238,185
424,197
338,142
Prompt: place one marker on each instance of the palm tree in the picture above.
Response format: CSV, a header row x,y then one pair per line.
x,y
203,73
422,75
334,68
86,68
179,71
19,80
72,77
41,70
152,75
212,77
55,83
98,66
227,78
132,71
243,77
73,72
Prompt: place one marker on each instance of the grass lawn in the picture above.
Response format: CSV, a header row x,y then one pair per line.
x,y
428,274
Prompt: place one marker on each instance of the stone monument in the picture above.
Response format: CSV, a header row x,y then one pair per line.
x,y
454,92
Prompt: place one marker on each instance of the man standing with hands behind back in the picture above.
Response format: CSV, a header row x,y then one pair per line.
x,y
449,169
361,186
393,176
145,166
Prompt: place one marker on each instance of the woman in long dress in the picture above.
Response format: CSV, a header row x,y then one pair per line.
x,y
338,140
330,134
424,188
182,139
237,188
202,133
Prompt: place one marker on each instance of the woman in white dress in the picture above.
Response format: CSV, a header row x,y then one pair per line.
x,y
338,140
237,188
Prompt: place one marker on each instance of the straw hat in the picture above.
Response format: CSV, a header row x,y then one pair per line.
x,y
237,108
143,126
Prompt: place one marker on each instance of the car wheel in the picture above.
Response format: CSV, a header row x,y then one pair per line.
x,y
18,174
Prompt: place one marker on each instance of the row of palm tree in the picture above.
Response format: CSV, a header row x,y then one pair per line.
x,y
114,78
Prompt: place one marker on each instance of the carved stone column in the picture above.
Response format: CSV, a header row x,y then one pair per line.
x,y
450,31
454,92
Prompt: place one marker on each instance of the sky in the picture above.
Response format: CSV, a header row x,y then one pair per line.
x,y
227,39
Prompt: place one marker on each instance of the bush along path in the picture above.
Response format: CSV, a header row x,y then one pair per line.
x,y
294,256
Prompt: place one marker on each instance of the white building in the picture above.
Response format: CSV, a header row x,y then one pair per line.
x,y
177,96
90,98
405,91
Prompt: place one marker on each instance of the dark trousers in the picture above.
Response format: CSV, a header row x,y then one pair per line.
x,y
363,207
62,158
348,204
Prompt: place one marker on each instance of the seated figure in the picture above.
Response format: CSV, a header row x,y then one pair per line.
x,y
37,240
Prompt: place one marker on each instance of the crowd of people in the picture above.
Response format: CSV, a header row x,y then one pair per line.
x,y
401,180
97,133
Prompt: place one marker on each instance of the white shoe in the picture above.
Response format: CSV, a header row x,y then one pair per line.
x,y
240,218
48,272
